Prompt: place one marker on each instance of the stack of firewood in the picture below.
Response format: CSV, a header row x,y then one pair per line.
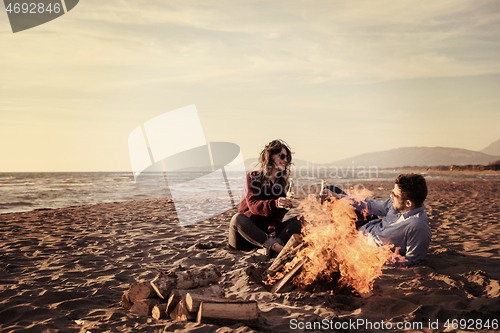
x,y
188,295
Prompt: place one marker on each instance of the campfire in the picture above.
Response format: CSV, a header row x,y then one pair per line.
x,y
329,255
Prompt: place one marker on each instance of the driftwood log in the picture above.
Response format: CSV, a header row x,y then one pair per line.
x,y
228,313
193,301
159,311
175,297
126,303
178,294
181,312
165,282
144,307
141,290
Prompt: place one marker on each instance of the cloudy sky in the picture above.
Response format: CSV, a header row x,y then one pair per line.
x,y
332,78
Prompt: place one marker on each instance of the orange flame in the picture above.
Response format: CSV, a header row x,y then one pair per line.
x,y
335,247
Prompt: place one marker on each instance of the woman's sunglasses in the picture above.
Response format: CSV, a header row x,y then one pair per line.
x,y
282,156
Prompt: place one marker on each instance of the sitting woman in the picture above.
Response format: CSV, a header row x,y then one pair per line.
x,y
259,221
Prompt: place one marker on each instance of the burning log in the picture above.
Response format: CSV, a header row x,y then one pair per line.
x,y
284,269
285,284
165,282
287,253
228,313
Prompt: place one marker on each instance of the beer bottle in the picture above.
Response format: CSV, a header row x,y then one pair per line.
x,y
323,194
290,194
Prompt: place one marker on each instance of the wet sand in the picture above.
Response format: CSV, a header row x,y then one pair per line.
x,y
65,270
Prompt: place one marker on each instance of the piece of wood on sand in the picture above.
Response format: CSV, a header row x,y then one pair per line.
x,y
285,284
178,294
144,307
228,313
181,312
285,255
141,290
159,311
165,282
126,303
193,301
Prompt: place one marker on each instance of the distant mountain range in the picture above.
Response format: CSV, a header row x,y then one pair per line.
x,y
418,156
493,149
409,156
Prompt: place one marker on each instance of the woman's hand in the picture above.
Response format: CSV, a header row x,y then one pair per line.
x,y
284,203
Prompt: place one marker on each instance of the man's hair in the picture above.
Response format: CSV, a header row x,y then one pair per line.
x,y
413,187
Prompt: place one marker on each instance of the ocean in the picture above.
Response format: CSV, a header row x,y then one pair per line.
x,y
21,192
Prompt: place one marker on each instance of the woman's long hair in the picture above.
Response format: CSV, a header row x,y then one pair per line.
x,y
266,164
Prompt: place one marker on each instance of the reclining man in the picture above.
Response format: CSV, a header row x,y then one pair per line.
x,y
405,225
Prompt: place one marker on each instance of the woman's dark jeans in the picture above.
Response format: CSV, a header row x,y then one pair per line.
x,y
245,235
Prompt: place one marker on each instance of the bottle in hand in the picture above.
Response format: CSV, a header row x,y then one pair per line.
x,y
323,193
290,194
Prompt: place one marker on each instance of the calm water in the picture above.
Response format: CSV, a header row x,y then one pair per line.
x,y
20,192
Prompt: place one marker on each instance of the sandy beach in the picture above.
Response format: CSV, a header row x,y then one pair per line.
x,y
65,270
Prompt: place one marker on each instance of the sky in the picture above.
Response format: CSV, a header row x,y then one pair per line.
x,y
334,79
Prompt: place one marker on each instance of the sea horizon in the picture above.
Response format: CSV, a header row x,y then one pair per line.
x,y
28,191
